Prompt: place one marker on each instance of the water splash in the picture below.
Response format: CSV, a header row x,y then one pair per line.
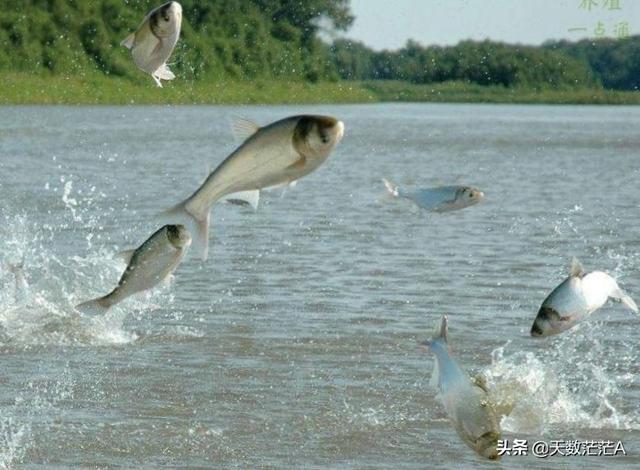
x,y
13,441
70,202
564,386
34,408
44,313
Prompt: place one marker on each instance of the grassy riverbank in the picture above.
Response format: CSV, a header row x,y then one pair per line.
x,y
100,89
457,92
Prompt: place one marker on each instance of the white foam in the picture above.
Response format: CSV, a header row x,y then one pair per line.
x,y
56,284
560,388
13,442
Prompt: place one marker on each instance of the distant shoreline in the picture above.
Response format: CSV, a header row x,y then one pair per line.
x,y
102,90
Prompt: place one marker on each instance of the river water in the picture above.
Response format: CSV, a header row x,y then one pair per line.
x,y
295,344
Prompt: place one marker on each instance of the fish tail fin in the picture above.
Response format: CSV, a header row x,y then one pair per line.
x,y
196,223
392,188
97,306
439,334
441,330
164,73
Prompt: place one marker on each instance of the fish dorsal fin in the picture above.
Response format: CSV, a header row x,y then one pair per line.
x,y
243,128
125,255
129,41
576,269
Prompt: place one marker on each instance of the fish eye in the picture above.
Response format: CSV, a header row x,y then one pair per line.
x,y
471,194
166,18
324,138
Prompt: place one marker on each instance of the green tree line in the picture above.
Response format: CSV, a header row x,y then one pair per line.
x,y
613,64
280,39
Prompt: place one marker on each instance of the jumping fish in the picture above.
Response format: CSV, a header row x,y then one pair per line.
x,y
465,400
152,43
274,155
440,199
148,265
577,297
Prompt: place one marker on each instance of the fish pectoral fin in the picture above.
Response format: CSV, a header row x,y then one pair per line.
x,y
619,295
629,303
298,164
251,198
129,41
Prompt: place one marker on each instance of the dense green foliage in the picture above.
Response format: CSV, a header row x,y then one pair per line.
x,y
263,41
613,64
482,63
220,38
616,63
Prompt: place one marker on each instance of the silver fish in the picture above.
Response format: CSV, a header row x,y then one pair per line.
x,y
577,297
274,155
440,199
148,265
465,401
152,43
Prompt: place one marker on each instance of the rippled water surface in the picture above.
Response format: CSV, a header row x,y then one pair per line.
x,y
295,344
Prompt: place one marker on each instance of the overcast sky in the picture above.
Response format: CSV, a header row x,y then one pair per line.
x,y
387,24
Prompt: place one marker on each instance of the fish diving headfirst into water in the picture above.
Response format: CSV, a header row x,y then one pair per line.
x,y
147,266
152,43
575,299
440,199
273,155
465,400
